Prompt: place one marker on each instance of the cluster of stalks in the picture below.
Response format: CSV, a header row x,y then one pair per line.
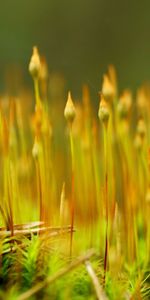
x,y
98,162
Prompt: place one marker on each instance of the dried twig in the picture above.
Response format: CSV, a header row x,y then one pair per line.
x,y
98,288
50,234
74,264
29,232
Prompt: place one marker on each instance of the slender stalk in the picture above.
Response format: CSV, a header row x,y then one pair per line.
x,y
37,94
106,199
39,188
72,189
10,211
148,235
2,211
37,153
8,195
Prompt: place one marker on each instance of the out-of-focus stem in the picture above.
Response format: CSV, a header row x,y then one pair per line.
x,y
39,187
98,288
106,199
8,195
37,94
72,188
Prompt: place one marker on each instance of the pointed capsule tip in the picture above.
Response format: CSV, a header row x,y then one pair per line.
x,y
35,49
69,96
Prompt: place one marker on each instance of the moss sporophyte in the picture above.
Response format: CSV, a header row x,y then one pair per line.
x,y
74,177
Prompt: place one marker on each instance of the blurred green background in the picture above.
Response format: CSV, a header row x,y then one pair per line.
x,y
79,39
